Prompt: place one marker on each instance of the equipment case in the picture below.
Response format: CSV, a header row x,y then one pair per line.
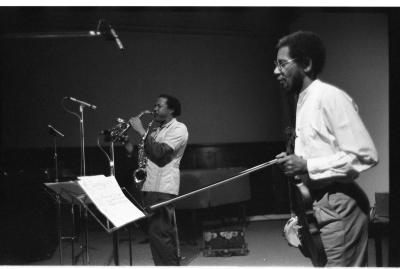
x,y
225,242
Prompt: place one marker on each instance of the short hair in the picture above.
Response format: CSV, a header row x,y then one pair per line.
x,y
172,103
305,45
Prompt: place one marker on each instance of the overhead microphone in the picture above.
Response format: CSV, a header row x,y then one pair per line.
x,y
115,37
83,103
53,131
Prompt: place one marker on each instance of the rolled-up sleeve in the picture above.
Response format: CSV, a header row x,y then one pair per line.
x,y
161,152
176,137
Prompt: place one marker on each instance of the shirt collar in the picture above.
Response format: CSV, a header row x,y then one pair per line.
x,y
305,92
168,124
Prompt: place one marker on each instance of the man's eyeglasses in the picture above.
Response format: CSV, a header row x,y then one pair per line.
x,y
282,65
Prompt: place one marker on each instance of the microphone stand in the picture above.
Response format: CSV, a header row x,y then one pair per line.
x,y
82,138
53,35
96,33
58,201
112,162
54,133
83,173
103,29
115,235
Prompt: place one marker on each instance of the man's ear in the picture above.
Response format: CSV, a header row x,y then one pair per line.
x,y
308,66
171,112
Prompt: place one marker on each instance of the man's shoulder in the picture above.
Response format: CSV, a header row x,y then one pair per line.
x,y
331,91
329,87
333,96
179,125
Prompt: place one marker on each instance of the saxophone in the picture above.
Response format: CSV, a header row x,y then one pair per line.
x,y
140,174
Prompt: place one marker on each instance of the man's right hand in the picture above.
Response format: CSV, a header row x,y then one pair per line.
x,y
281,155
291,164
137,125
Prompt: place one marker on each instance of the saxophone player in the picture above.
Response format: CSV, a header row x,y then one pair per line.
x,y
164,148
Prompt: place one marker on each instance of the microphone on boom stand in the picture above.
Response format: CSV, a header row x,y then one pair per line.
x,y
54,132
82,103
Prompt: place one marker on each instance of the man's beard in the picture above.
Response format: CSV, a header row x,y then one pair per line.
x,y
296,83
160,120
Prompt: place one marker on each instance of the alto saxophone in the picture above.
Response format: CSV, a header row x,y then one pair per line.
x,y
140,174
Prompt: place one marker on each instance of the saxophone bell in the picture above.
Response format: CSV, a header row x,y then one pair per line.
x,y
139,176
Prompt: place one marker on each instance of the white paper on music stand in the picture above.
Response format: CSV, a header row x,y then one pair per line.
x,y
108,197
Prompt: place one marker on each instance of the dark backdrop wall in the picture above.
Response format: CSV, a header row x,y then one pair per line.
x,y
223,78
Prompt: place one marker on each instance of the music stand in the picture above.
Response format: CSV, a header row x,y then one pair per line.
x,y
105,212
66,193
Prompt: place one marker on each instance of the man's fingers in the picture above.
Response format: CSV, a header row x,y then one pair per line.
x,y
281,155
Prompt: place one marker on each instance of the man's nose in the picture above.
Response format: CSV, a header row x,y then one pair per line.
x,y
277,71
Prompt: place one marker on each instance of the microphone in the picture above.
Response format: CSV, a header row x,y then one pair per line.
x,y
116,38
82,103
53,131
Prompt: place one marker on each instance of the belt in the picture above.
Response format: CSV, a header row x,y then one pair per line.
x,y
351,190
347,188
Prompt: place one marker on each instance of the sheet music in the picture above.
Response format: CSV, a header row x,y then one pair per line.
x,y
108,197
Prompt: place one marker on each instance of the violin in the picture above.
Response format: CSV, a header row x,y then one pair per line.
x,y
302,230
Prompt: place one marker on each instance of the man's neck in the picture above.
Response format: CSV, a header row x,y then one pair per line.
x,y
164,122
306,82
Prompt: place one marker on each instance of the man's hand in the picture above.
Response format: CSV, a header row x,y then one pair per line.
x,y
292,164
137,125
129,147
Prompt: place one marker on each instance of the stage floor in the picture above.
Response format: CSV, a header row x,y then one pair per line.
x,y
266,245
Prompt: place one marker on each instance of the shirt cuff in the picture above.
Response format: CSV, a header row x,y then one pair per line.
x,y
316,169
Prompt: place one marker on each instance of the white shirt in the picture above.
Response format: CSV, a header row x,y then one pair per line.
x,y
330,134
166,179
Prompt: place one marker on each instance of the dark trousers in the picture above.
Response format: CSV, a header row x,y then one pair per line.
x,y
161,230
